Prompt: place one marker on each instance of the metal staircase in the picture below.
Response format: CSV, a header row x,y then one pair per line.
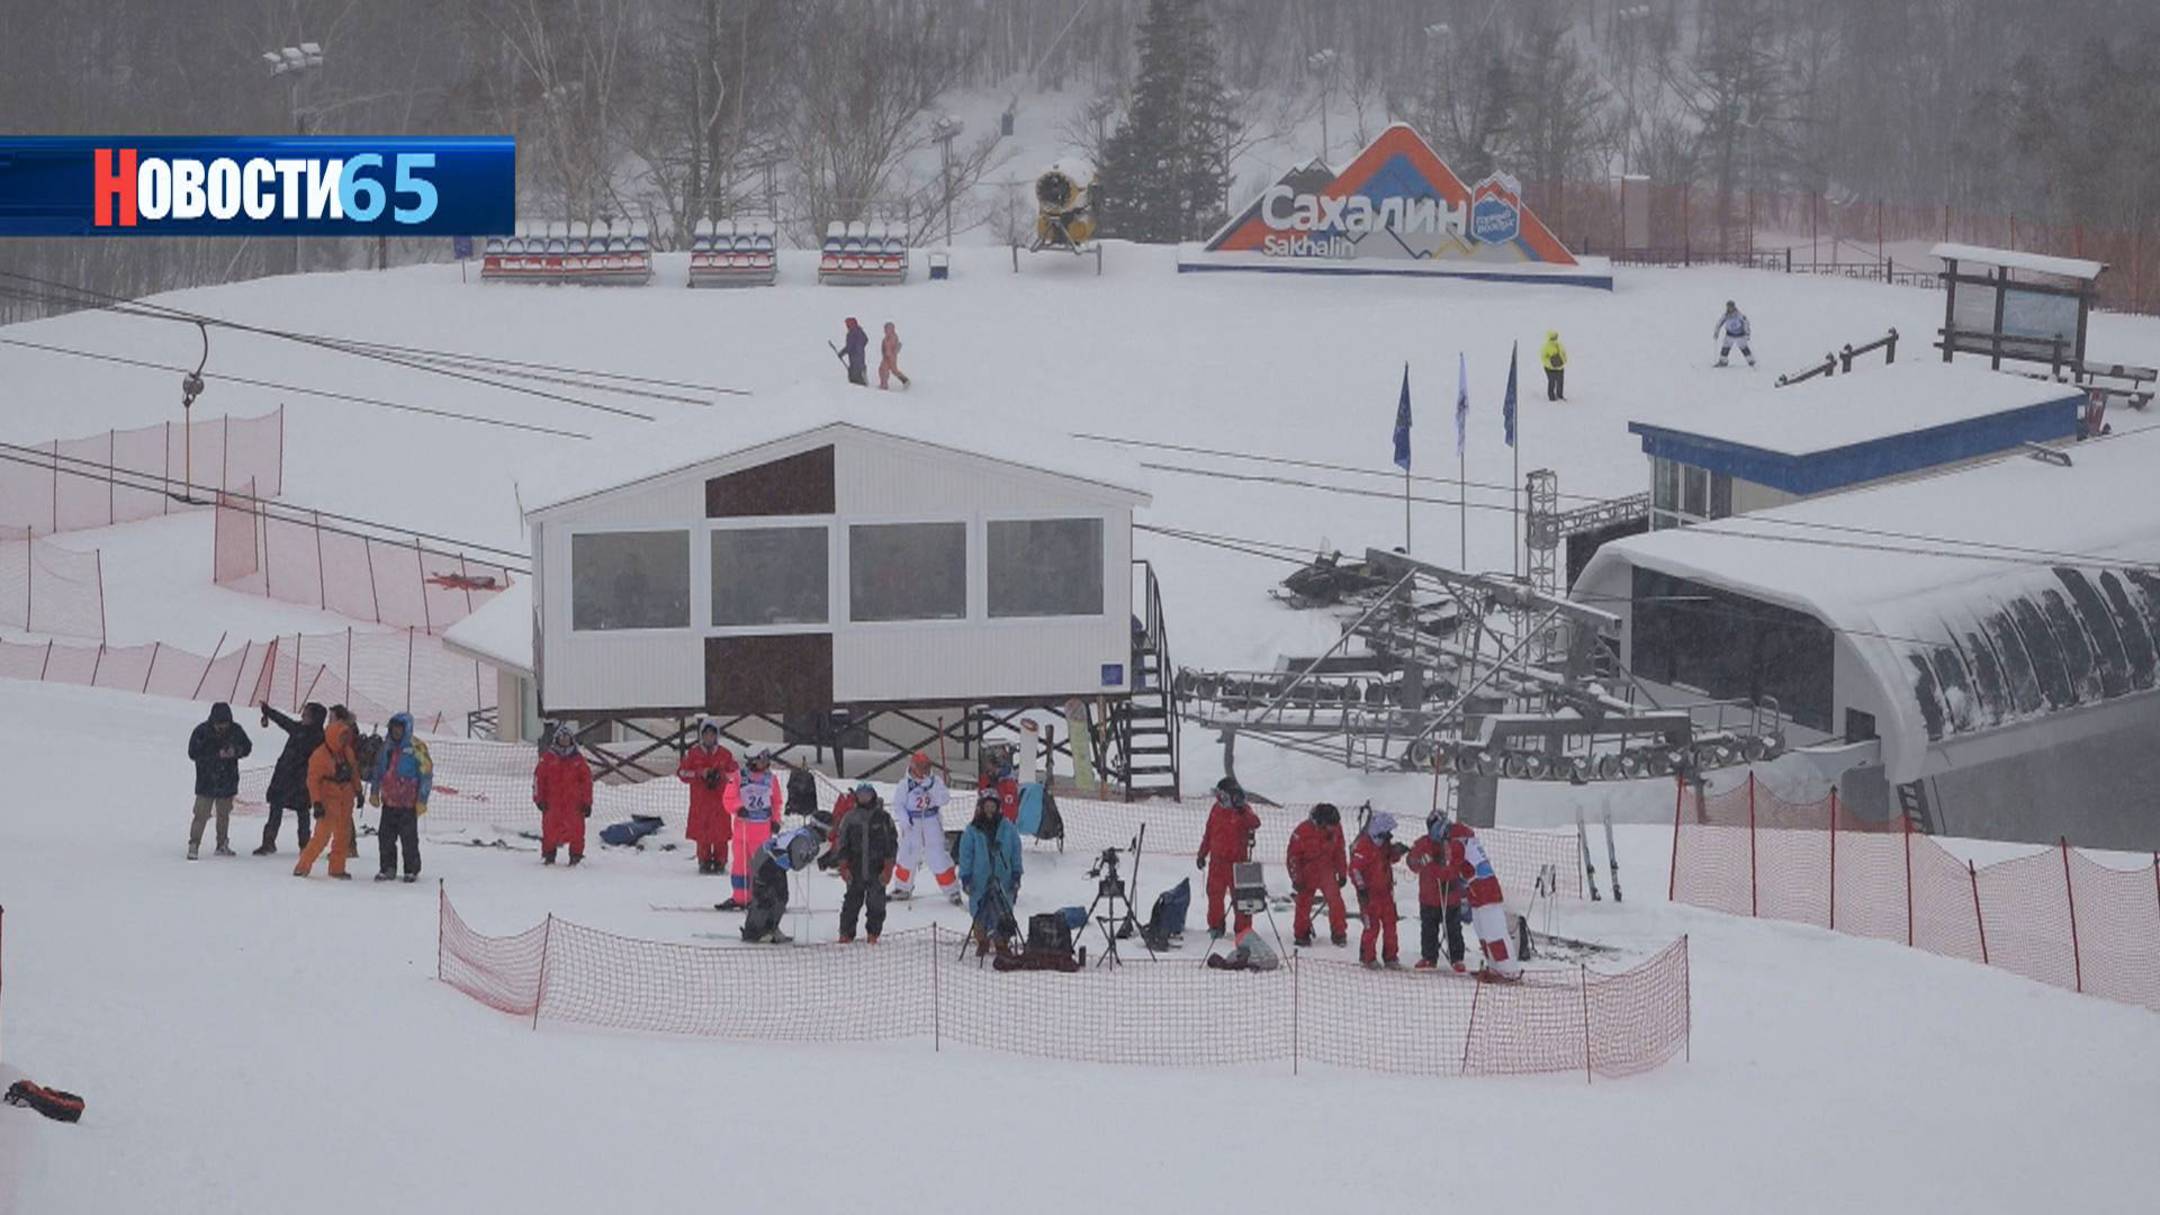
x,y
1140,735
1913,803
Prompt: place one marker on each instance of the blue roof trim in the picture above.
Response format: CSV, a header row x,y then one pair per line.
x,y
1890,456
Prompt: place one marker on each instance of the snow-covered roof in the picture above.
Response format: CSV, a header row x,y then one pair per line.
x,y
1872,403
996,430
1976,598
2013,259
498,632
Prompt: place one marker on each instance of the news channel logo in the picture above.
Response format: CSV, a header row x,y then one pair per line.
x,y
328,185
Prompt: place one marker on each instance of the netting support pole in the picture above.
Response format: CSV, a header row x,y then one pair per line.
x,y
1687,1002
408,667
420,559
204,677
547,936
112,445
1979,921
1586,1070
1833,858
47,664
322,584
1672,871
1477,989
937,1009
29,580
2077,961
367,548
442,905
348,664
98,555
1907,819
1294,1001
151,669
1754,898
97,664
239,670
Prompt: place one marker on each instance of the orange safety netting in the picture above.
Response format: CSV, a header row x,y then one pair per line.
x,y
2056,915
917,985
45,588
121,476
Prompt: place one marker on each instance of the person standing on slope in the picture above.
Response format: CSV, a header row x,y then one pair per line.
x,y
333,784
854,351
888,367
990,869
865,845
562,791
1464,861
399,784
217,746
1440,899
289,780
919,802
754,798
997,777
707,767
1319,868
775,858
1553,357
1224,843
1733,330
1372,872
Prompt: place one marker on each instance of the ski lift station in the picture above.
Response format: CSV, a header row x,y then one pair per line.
x,y
849,568
2000,688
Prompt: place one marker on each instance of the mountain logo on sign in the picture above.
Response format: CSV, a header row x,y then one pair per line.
x,y
1496,210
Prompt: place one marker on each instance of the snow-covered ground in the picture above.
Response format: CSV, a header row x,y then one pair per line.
x,y
250,1042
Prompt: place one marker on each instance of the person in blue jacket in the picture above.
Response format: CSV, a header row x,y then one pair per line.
x,y
855,351
399,782
990,869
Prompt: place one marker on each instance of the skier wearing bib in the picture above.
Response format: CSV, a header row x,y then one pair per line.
x,y
776,856
1224,843
1733,330
754,799
1372,872
1318,870
1463,860
562,792
918,802
706,768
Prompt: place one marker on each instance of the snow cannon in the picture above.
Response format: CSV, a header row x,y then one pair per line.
x,y
1062,217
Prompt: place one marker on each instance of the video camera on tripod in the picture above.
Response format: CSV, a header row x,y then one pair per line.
x,y
1108,883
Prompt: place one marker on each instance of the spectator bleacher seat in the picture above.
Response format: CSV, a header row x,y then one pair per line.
x,y
730,257
864,254
572,251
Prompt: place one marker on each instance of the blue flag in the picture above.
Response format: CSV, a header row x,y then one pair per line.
x,y
1402,423
1507,407
1462,403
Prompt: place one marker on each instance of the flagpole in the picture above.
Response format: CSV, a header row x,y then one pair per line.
x,y
1462,500
1406,510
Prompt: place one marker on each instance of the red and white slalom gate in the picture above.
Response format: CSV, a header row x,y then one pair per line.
x,y
2056,915
121,476
914,985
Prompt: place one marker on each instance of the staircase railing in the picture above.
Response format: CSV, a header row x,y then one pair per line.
x,y
1155,639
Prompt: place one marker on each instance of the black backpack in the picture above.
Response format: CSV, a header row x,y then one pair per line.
x,y
1049,931
801,792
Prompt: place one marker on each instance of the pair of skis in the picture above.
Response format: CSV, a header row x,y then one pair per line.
x,y
1612,855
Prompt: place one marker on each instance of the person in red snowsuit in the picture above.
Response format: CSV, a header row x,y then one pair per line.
x,y
1441,901
707,767
997,777
1464,861
562,789
1226,841
1319,868
1372,873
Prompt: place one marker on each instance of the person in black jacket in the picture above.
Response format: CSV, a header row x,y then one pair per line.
x,y
217,746
288,781
864,851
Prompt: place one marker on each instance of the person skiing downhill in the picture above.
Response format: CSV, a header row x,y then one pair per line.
x,y
707,767
1318,869
1372,872
1553,357
562,791
888,367
217,746
865,844
918,802
854,352
754,799
399,783
1733,330
1224,843
288,781
1464,861
1441,900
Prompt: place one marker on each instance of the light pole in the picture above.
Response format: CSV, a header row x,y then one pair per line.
x,y
946,129
293,63
1322,61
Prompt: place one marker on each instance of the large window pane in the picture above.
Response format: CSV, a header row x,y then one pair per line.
x,y
907,571
1665,485
630,580
1046,567
769,575
1695,499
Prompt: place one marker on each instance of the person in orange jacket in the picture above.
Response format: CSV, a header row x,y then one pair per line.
x,y
888,368
1224,843
333,785
562,791
1319,868
1372,872
707,767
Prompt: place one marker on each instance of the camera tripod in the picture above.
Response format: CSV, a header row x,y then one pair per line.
x,y
1116,917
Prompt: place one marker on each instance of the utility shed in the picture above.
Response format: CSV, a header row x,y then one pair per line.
x,y
1768,446
1997,629
831,548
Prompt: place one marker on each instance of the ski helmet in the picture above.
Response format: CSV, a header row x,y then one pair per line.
x,y
866,794
1326,815
1382,824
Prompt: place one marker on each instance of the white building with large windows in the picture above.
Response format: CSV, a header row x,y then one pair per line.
x,y
826,548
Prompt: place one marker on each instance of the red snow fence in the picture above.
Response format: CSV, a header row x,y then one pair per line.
x,y
45,588
122,476
917,985
2056,915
